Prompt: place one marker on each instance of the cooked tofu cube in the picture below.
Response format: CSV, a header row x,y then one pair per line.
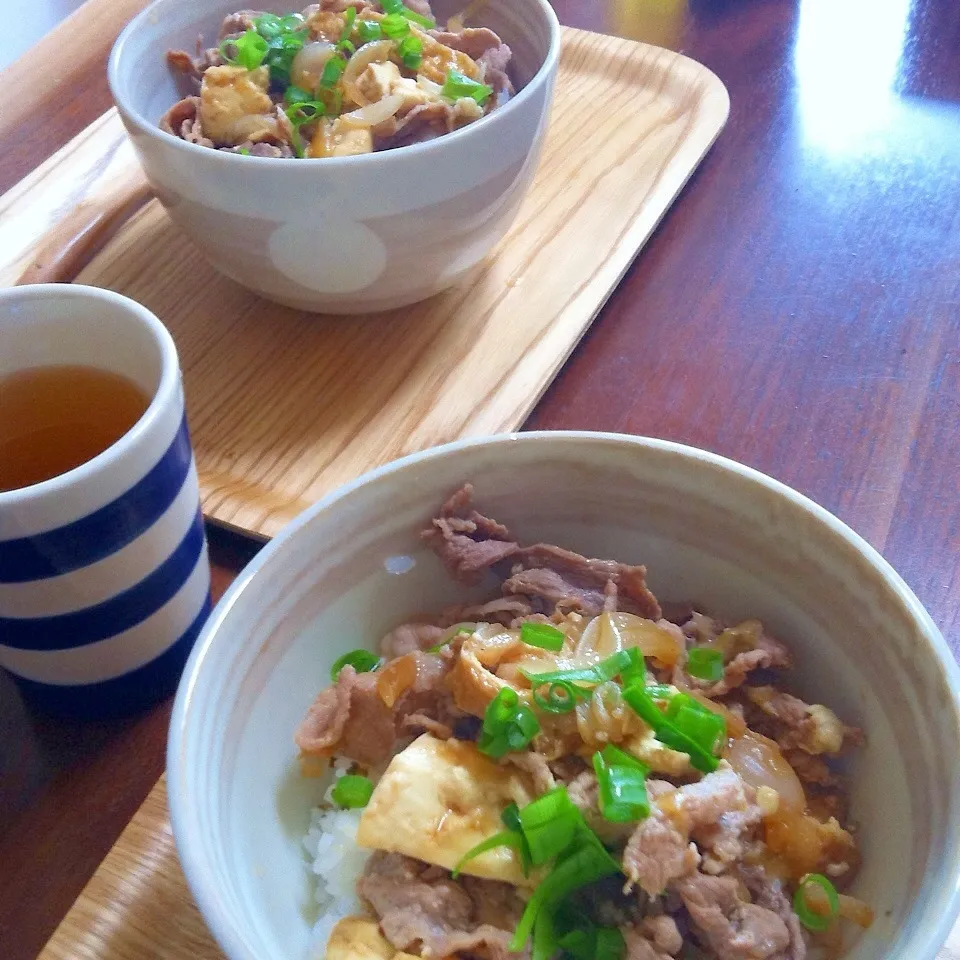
x,y
235,105
358,938
440,798
336,139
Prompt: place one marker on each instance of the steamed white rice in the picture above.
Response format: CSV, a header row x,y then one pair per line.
x,y
336,863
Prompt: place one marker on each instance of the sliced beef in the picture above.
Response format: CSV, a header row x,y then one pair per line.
x,y
663,931
640,946
535,766
723,816
554,576
473,41
506,610
543,576
428,696
183,121
768,654
657,854
733,928
719,812
240,22
493,64
349,719
422,908
796,725
409,637
768,892
276,150
468,543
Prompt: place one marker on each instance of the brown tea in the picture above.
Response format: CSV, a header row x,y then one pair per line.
x,y
55,418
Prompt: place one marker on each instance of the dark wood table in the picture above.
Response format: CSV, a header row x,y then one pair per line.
x,y
798,310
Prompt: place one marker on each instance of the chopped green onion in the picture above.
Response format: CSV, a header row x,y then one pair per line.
x,y
458,85
542,635
398,7
363,661
395,26
285,37
594,943
419,19
623,788
511,820
506,838
622,662
349,15
332,71
269,25
369,30
810,918
561,697
295,94
352,792
584,865
666,732
660,691
244,152
410,50
705,664
702,726
249,50
508,725
550,823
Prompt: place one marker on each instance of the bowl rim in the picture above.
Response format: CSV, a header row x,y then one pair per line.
x,y
543,76
189,839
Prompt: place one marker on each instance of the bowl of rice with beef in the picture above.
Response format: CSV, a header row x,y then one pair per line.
x,y
349,156
558,696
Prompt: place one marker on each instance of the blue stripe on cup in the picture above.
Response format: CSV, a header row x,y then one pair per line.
x,y
113,616
105,531
120,695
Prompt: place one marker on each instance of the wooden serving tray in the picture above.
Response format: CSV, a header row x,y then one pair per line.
x,y
285,406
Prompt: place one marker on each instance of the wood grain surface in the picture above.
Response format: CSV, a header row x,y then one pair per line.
x,y
286,406
797,309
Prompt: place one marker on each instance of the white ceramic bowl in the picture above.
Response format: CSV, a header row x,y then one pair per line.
x,y
709,530
345,234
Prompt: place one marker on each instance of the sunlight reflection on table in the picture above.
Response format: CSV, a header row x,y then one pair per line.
x,y
847,61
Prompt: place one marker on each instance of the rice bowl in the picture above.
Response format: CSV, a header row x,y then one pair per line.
x,y
737,541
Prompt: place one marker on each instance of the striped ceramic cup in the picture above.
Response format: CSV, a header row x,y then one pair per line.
x,y
104,577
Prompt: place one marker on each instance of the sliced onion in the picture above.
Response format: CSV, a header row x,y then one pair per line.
x,y
856,910
307,67
428,86
396,677
373,113
759,762
377,51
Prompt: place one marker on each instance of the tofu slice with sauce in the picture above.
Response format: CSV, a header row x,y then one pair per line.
x,y
440,798
358,938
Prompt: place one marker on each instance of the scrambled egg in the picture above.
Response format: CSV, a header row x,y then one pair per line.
x,y
235,105
658,757
440,798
